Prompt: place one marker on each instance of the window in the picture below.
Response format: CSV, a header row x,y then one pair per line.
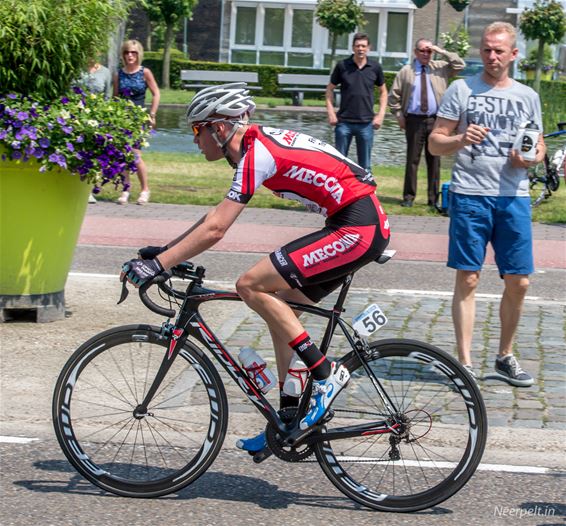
x,y
341,41
245,26
397,25
372,29
274,27
302,28
242,56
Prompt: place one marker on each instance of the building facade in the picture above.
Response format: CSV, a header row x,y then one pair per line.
x,y
286,32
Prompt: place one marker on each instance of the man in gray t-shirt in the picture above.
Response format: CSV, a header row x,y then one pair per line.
x,y
478,121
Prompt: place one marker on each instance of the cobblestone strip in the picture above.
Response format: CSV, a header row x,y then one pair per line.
x,y
540,348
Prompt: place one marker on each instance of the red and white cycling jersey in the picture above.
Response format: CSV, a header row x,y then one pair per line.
x,y
299,167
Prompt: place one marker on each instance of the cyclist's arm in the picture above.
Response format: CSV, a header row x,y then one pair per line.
x,y
202,235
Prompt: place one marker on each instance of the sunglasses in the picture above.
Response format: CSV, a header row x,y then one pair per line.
x,y
424,50
197,128
130,52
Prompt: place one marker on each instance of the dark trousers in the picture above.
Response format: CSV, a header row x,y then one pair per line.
x,y
417,130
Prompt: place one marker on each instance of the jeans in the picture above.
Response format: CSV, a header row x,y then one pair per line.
x,y
363,132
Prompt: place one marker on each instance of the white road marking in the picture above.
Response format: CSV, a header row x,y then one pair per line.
x,y
16,440
506,468
390,292
500,468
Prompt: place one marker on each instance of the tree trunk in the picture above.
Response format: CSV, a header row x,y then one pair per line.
x,y
540,58
333,51
169,35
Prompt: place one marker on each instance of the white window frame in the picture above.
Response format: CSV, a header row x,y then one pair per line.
x,y
319,36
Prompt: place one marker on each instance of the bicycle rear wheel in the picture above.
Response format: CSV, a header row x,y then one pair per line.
x,y
439,445
139,455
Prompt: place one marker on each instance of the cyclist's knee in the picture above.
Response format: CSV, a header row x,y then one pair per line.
x,y
245,286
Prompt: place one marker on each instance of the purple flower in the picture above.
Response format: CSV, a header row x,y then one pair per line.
x,y
3,134
38,153
65,100
80,139
32,133
43,169
44,142
61,121
12,96
67,129
16,145
70,147
23,115
59,159
78,90
16,155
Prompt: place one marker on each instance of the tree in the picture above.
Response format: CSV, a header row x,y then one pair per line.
x,y
546,23
170,13
339,17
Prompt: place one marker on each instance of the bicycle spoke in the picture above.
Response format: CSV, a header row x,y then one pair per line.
x,y
140,453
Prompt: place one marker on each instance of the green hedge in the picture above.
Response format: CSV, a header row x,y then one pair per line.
x,y
267,74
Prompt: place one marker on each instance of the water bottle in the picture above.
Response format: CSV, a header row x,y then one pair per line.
x,y
527,140
296,378
257,369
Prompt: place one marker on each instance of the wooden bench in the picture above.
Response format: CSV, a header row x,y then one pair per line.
x,y
197,78
298,84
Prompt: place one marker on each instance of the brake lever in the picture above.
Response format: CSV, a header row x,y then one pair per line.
x,y
125,290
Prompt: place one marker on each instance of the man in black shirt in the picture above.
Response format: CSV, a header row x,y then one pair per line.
x,y
357,76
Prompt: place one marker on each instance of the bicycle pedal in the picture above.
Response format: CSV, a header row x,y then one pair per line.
x,y
262,455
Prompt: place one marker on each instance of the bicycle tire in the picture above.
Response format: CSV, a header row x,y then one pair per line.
x,y
446,426
149,456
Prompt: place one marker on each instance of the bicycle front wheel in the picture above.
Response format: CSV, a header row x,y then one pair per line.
x,y
436,449
109,442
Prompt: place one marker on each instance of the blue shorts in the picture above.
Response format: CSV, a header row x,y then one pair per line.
x,y
476,220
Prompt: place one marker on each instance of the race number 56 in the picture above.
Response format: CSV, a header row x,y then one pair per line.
x,y
369,321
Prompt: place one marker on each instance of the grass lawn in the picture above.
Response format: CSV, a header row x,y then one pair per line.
x,y
190,179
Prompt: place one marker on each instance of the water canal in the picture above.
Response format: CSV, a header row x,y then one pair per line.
x,y
173,134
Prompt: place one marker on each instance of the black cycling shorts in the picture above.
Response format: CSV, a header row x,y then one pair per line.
x,y
316,264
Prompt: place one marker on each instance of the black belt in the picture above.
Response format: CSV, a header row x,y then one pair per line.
x,y
420,116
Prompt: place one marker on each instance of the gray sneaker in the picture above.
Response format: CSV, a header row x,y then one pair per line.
x,y
508,369
472,373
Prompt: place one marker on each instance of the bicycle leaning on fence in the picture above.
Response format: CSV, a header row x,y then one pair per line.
x,y
141,411
547,174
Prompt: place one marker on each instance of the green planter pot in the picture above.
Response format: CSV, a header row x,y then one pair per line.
x,y
40,220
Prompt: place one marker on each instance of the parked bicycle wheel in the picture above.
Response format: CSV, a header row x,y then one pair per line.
x,y
436,450
130,454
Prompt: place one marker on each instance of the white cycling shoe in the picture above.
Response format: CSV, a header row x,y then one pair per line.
x,y
323,393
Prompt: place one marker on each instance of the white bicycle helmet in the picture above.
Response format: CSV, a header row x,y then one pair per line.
x,y
230,100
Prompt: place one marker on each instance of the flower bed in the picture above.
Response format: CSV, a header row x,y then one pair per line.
x,y
83,133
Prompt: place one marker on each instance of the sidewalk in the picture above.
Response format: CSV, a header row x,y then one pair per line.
x,y
263,230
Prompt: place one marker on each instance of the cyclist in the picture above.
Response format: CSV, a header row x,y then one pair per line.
x,y
293,166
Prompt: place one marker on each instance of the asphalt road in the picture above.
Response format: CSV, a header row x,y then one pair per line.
x,y
39,487
548,284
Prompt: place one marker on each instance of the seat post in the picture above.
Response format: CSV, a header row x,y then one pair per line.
x,y
338,308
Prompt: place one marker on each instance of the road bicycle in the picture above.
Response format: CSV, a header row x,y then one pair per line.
x,y
141,411
544,178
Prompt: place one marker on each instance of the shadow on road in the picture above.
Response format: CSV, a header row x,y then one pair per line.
x,y
213,485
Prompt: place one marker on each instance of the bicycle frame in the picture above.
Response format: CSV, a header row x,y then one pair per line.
x,y
189,323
